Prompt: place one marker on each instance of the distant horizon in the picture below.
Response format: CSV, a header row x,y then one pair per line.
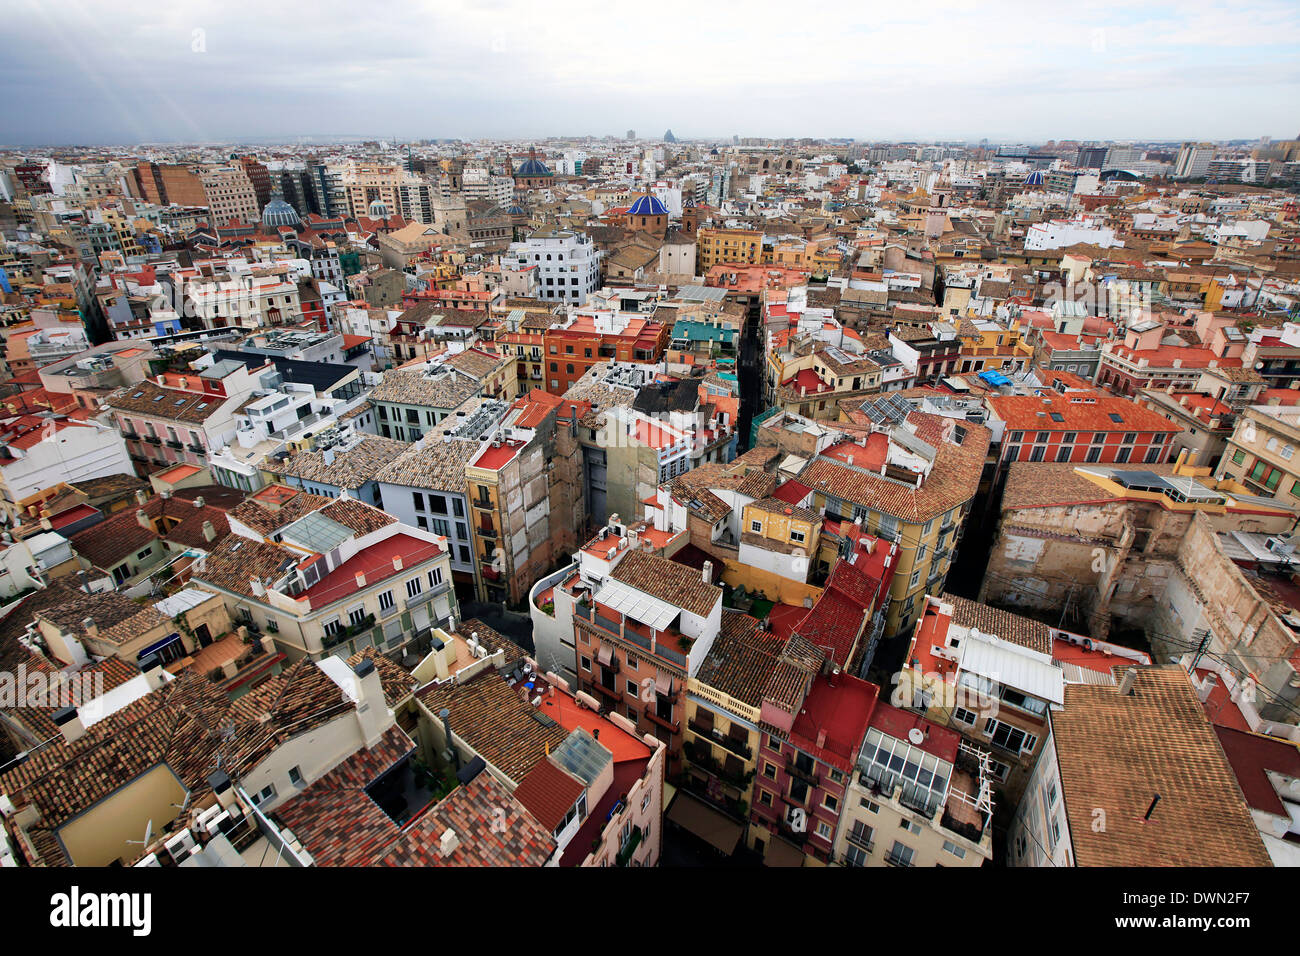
x,y
681,139
126,72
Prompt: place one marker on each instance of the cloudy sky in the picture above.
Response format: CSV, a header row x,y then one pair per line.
x,y
104,71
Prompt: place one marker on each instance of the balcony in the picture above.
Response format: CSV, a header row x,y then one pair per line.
x,y
861,842
705,761
737,747
153,439
197,448
661,722
629,846
807,776
610,692
897,859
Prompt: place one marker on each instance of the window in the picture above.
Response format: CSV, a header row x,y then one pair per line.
x,y
954,849
357,615
295,776
964,716
265,794
900,854
586,663
769,771
413,587
1238,457
756,527
910,826
797,537
823,829
632,688
869,805
1122,455
1009,738
386,601
435,577
764,797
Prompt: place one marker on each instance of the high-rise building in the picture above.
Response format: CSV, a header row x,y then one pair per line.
x,y
1193,160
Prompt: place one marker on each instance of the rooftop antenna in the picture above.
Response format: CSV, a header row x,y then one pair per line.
x,y
1151,809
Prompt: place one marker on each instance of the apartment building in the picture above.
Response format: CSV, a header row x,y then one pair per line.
x,y
1260,453
40,451
178,418
908,476
526,496
566,262
990,676
409,402
919,796
229,195
814,720
329,578
642,628
728,246
598,337
1079,425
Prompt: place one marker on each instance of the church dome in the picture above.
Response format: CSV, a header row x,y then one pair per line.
x,y
378,210
1034,179
648,206
532,168
279,213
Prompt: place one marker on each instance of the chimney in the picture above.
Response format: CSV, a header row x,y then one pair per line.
x,y
821,738
219,781
1207,686
152,669
1126,684
397,562
141,496
198,502
90,627
372,707
361,579
69,723
143,519
448,843
209,532
445,716
706,574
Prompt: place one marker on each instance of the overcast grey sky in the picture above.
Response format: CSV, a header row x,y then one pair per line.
x,y
104,71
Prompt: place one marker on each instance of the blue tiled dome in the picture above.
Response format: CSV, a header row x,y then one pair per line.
x,y
1034,179
517,211
279,213
532,168
648,206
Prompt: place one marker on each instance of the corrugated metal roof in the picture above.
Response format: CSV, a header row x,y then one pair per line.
x,y
638,605
1013,666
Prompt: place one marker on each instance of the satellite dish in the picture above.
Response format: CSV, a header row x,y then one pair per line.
x,y
916,736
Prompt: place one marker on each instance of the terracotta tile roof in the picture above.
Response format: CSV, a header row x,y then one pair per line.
x,y
171,404
397,681
235,560
413,387
177,725
494,719
668,581
349,470
1022,412
357,516
742,660
991,620
777,506
471,812
189,532
953,479
1117,752
113,540
266,521
548,793
116,616
1043,484
38,720
336,820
